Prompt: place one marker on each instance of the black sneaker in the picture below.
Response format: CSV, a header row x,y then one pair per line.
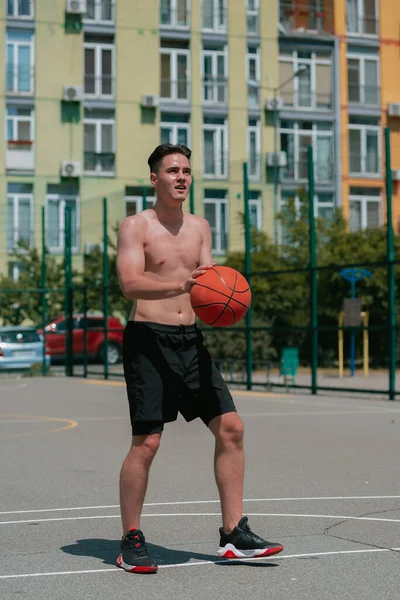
x,y
243,543
134,557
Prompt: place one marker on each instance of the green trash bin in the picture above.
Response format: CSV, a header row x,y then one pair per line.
x,y
289,363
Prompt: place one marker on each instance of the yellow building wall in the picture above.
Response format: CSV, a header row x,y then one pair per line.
x,y
3,182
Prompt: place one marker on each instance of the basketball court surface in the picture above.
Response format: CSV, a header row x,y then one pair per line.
x,y
322,477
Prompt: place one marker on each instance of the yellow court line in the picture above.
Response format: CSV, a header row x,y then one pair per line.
x,y
71,423
235,392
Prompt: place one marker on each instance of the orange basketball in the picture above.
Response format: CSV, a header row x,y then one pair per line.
x,y
221,297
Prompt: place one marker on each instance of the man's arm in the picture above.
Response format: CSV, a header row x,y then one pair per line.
x,y
131,264
206,245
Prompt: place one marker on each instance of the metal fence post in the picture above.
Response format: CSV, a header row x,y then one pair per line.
x,y
105,287
69,369
44,299
85,332
144,198
247,262
391,272
313,274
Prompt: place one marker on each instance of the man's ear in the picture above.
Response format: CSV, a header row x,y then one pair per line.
x,y
153,179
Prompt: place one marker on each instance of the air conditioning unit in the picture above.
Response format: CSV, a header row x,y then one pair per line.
x,y
91,247
150,101
270,104
394,109
73,93
71,168
396,174
278,157
76,7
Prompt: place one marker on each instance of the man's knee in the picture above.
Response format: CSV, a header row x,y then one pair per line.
x,y
228,429
144,447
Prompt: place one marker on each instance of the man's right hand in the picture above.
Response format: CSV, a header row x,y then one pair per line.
x,y
192,280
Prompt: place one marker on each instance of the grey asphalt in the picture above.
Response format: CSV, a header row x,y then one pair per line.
x,y
322,477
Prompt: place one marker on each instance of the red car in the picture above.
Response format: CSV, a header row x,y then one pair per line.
x,y
56,337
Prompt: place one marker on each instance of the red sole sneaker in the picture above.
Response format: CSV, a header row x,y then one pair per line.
x,y
231,552
136,569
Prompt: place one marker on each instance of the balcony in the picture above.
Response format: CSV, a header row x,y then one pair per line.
x,y
297,170
101,87
20,155
215,90
314,100
363,26
253,94
361,165
174,18
99,163
304,18
364,95
176,90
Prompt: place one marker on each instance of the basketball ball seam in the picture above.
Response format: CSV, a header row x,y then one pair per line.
x,y
227,304
224,282
207,287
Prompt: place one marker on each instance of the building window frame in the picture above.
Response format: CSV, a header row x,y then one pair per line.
x,y
253,16
173,12
174,127
363,84
98,138
218,21
12,123
214,83
16,7
316,134
13,67
98,12
15,199
62,200
364,130
174,83
253,64
361,20
254,159
255,204
312,64
220,144
138,201
98,76
219,232
364,200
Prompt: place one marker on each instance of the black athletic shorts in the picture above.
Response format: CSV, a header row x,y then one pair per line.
x,y
168,370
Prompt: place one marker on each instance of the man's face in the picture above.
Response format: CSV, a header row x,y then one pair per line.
x,y
173,179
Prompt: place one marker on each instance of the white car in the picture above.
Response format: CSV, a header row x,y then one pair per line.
x,y
21,347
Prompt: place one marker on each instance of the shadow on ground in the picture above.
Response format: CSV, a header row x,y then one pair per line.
x,y
108,550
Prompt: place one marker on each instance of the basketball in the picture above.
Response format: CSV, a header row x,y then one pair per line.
x,y
221,297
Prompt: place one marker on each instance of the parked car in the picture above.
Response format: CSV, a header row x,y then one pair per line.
x,y
56,337
21,347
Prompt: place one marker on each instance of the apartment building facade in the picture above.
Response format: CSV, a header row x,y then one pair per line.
x,y
92,86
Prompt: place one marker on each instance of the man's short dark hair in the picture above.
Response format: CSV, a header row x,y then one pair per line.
x,y
155,158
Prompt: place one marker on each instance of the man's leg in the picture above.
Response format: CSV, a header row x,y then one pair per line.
x,y
134,478
229,466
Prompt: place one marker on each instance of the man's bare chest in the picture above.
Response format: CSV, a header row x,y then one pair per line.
x,y
163,249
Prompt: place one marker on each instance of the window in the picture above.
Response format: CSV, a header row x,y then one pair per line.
x,y
296,137
255,209
175,67
216,213
252,15
362,17
19,215
214,72
323,209
254,149
312,88
174,13
100,11
19,62
175,129
365,148
20,125
99,70
365,208
55,226
253,76
15,269
137,199
215,148
214,15
99,144
20,9
363,79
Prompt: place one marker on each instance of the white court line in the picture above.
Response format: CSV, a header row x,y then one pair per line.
x,y
185,502
206,562
197,514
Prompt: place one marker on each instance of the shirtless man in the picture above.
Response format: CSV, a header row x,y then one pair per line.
x,y
161,252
